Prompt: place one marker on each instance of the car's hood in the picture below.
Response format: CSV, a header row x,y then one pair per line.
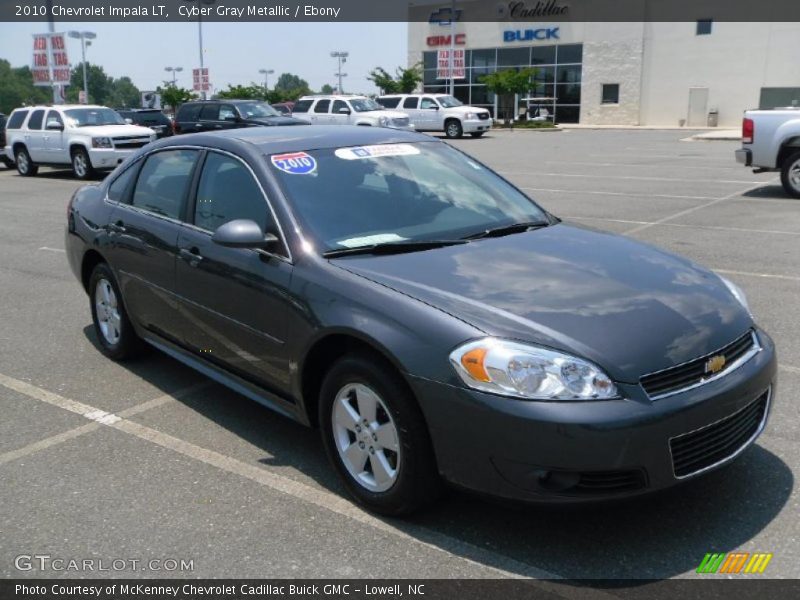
x,y
279,120
391,114
462,110
115,131
625,305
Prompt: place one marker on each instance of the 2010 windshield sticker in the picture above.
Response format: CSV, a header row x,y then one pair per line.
x,y
376,151
295,163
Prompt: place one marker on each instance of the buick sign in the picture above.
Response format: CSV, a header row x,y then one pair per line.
x,y
530,35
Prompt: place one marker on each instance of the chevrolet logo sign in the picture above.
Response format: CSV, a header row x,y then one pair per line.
x,y
445,16
715,364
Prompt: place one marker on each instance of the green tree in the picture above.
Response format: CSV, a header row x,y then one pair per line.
x,y
17,89
509,82
326,89
404,81
123,94
289,87
243,92
100,84
174,96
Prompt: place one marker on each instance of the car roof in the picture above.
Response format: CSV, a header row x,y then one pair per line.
x,y
271,140
332,96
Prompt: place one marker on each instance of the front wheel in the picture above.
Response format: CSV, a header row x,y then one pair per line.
x,y
114,331
452,129
81,164
25,166
376,437
790,175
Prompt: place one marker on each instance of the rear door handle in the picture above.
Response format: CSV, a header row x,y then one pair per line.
x,y
193,256
118,227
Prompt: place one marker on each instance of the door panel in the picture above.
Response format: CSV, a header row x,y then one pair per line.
x,y
145,237
234,302
54,145
698,103
34,136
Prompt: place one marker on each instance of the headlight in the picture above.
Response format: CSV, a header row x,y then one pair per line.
x,y
470,116
737,293
383,121
153,137
522,371
101,142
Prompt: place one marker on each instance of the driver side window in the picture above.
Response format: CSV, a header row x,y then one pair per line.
x,y
428,103
163,181
226,112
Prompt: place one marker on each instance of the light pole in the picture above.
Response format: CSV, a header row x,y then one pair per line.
x,y
83,36
200,41
174,71
342,58
266,73
340,75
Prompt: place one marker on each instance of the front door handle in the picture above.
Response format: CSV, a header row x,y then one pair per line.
x,y
118,227
192,256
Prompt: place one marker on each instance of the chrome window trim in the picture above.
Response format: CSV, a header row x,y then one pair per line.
x,y
738,451
288,258
755,349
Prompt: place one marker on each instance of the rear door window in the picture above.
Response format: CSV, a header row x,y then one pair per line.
x,y
36,120
302,106
322,106
163,182
16,119
410,102
189,112
210,112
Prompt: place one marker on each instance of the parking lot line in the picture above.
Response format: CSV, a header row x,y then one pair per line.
x,y
631,177
48,442
691,210
750,274
46,249
503,566
789,368
640,165
687,226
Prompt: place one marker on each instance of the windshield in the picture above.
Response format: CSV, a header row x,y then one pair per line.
x,y
250,110
365,104
361,196
86,117
449,101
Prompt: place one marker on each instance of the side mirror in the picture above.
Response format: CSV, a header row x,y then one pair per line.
x,y
344,111
242,233
55,126
129,121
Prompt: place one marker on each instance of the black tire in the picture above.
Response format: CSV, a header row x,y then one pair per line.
x,y
417,482
81,164
453,129
477,134
128,343
25,166
7,162
790,175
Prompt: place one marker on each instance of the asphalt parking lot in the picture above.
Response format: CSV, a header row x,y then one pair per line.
x,y
149,460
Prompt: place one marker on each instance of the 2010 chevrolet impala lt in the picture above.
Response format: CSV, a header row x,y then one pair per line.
x,y
432,320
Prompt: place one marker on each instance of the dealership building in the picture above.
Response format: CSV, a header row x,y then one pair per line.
x,y
695,73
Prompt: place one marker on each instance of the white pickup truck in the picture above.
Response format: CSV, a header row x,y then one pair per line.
x,y
771,142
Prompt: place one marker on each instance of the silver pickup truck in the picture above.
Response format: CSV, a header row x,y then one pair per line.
x,y
771,142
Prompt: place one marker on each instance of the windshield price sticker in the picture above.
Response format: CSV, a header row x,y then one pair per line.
x,y
376,151
295,163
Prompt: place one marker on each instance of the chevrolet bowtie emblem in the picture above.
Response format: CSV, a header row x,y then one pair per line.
x,y
715,364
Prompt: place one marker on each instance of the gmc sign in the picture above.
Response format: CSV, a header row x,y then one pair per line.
x,y
444,40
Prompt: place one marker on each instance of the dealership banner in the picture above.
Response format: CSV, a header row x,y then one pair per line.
x,y
50,63
387,589
458,64
429,11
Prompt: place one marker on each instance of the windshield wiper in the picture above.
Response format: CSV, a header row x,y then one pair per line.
x,y
507,230
393,247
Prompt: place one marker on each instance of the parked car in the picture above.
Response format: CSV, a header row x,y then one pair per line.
x,y
89,138
441,113
771,142
211,115
433,321
3,157
348,110
285,108
148,117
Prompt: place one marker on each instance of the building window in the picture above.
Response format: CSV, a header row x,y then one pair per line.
x,y
610,93
704,26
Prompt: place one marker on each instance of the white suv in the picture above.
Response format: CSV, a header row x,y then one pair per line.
x,y
440,112
348,110
87,137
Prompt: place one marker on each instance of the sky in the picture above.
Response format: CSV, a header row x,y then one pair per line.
x,y
234,52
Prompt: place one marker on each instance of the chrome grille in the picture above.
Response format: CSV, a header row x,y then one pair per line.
x,y
130,142
400,122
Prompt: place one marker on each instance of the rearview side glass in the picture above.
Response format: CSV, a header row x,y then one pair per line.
x,y
163,181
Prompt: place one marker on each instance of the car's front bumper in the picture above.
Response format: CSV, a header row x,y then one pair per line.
x,y
744,156
108,158
579,451
476,125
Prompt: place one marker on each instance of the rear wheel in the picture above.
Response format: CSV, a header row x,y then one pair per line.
x,y
81,164
790,175
452,129
376,437
25,165
114,331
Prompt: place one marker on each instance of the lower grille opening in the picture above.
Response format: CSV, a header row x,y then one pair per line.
x,y
708,446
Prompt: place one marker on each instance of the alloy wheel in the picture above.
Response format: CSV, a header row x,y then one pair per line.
x,y
366,437
22,162
79,164
107,311
794,175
